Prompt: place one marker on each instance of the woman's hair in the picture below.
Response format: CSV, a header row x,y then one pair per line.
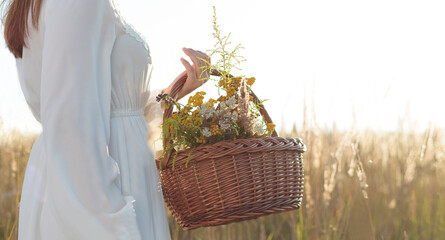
x,y
15,21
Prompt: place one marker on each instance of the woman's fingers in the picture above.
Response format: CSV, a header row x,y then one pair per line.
x,y
205,60
200,60
192,54
190,70
205,56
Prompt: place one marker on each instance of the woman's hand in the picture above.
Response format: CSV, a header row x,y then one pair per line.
x,y
194,73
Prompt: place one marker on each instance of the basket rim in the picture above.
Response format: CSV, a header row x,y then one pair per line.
x,y
299,146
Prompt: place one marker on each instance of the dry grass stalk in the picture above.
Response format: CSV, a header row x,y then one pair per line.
x,y
405,186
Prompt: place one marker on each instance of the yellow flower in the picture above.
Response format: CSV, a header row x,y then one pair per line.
x,y
223,82
250,81
230,91
270,126
197,99
236,83
214,129
191,99
221,98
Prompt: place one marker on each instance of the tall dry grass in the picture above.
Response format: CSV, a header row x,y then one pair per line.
x,y
358,185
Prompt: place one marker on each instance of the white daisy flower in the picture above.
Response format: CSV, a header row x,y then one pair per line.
x,y
226,116
231,102
225,126
235,116
258,129
206,132
206,112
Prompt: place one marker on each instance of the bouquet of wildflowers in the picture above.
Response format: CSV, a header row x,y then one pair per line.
x,y
233,115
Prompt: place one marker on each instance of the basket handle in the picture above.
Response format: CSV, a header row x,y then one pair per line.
x,y
174,93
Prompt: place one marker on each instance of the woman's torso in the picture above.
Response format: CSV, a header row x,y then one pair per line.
x,y
131,67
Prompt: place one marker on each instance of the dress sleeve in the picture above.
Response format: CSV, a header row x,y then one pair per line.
x,y
82,199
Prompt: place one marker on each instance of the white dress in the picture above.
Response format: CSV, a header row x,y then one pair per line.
x,y
91,174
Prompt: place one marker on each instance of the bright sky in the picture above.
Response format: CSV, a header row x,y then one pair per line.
x,y
382,59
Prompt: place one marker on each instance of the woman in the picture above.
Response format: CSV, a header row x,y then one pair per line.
x,y
85,75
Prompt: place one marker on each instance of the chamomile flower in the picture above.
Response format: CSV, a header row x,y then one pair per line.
x,y
206,132
231,102
258,129
225,126
206,111
235,116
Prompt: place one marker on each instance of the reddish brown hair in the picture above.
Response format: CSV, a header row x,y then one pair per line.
x,y
15,22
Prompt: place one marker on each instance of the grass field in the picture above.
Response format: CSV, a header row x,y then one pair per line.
x,y
358,185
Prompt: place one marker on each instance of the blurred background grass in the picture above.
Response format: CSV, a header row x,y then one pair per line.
x,y
359,184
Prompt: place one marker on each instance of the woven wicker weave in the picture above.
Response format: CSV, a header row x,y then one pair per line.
x,y
233,180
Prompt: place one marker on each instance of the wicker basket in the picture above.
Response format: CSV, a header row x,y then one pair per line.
x,y
233,180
